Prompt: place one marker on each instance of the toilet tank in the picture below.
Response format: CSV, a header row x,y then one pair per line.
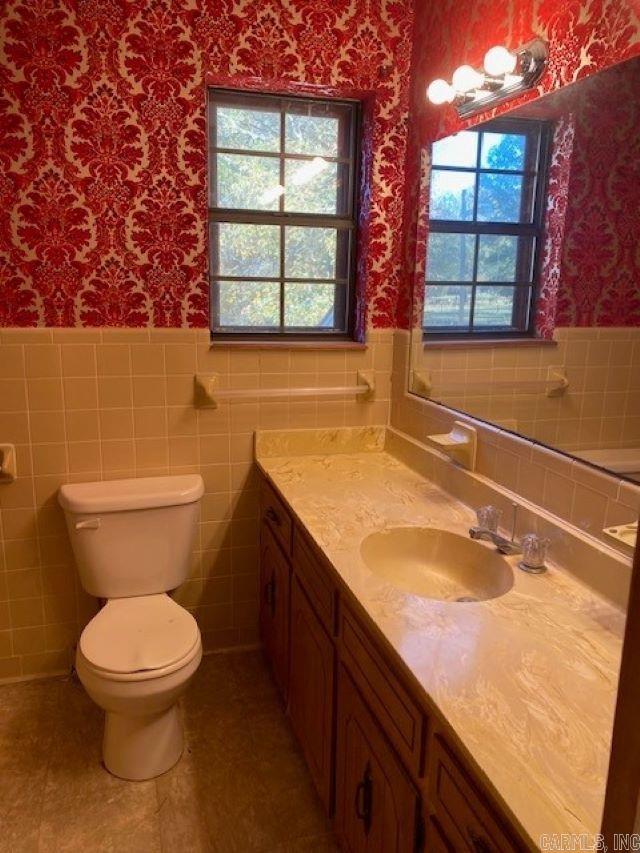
x,y
132,537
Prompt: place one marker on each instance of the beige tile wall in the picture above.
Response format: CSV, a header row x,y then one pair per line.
x,y
577,493
601,407
103,404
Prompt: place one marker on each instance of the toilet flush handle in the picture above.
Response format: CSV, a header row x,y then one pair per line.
x,y
88,524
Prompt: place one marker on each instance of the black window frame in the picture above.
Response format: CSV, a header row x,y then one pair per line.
x,y
346,225
527,291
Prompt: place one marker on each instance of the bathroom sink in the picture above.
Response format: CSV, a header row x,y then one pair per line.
x,y
437,564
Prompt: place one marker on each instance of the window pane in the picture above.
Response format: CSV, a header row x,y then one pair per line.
x,y
308,134
309,305
251,129
494,306
447,305
503,151
452,195
311,186
500,198
450,257
461,149
498,257
310,252
249,303
252,250
248,182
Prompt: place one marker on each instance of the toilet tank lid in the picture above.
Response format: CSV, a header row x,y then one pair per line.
x,y
134,493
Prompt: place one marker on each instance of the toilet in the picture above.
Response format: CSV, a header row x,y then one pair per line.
x,y
132,541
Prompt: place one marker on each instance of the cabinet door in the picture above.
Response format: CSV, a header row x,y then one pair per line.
x,y
274,607
376,802
311,685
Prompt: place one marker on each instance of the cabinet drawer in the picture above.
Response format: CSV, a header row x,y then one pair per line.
x,y
396,711
316,581
461,810
276,516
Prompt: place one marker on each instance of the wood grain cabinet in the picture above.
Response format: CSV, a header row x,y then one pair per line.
x,y
462,816
380,756
275,575
376,802
311,690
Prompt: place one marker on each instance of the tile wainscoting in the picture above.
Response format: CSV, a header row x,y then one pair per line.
x,y
600,409
82,404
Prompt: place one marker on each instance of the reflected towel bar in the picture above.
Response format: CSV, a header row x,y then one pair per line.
x,y
207,392
554,385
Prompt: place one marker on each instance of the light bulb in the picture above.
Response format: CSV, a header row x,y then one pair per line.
x,y
498,60
466,78
440,92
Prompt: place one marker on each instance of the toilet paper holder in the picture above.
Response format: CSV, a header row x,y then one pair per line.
x,y
8,470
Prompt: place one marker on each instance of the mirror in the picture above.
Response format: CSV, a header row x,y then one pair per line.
x,y
526,295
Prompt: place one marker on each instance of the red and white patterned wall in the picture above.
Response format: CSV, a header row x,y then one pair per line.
x,y
584,36
102,144
591,263
102,133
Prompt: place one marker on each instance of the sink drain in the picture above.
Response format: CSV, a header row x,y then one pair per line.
x,y
469,598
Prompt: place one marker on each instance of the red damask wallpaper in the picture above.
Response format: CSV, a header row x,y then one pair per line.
x,y
555,225
584,36
102,144
599,283
102,135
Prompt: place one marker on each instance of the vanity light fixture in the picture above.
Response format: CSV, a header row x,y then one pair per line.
x,y
505,74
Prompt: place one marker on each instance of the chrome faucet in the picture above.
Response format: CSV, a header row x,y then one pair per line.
x,y
503,545
487,529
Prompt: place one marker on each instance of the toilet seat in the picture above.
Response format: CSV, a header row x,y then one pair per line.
x,y
134,639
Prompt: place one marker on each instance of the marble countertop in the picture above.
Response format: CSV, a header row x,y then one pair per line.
x,y
526,681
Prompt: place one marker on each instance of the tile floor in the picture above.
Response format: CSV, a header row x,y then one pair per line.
x,y
241,784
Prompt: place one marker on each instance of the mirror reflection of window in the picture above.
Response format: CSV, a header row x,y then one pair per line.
x,y
486,209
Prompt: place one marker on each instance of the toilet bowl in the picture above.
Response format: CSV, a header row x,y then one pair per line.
x,y
135,660
132,541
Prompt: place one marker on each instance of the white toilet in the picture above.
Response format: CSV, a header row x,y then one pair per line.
x,y
132,541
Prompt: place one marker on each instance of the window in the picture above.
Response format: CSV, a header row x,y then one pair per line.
x,y
282,215
485,210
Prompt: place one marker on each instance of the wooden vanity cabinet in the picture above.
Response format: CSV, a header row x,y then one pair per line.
x,y
380,758
435,841
276,518
461,816
311,690
376,801
397,712
275,573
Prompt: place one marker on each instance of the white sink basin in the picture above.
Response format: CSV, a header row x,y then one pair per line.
x,y
437,564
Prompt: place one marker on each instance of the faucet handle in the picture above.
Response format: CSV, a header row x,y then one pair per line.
x,y
488,517
534,553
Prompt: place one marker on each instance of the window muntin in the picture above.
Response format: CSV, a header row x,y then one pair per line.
x,y
282,214
485,226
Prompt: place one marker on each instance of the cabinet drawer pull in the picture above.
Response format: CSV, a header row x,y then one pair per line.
x,y
273,516
364,799
479,844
